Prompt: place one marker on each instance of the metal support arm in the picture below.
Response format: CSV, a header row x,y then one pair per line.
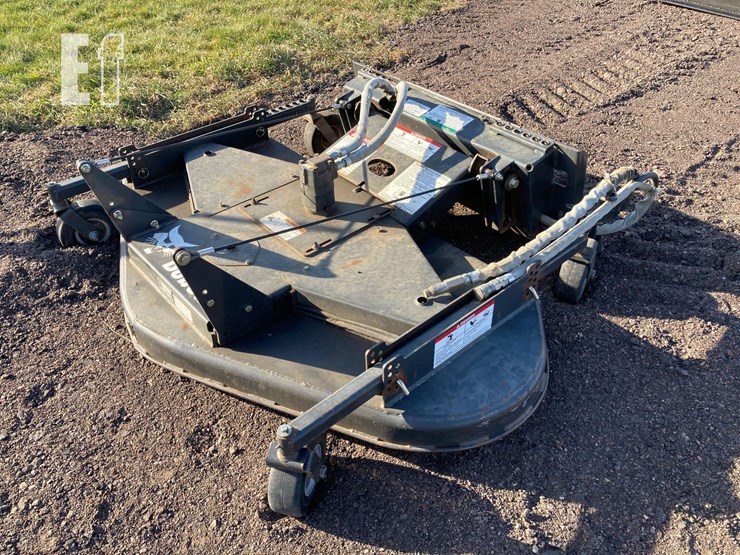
x,y
314,422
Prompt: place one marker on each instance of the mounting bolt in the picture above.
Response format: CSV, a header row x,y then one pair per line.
x,y
183,258
154,224
248,308
85,168
284,431
94,236
117,214
322,472
210,303
511,183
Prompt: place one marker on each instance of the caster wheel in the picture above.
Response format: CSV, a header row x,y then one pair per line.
x,y
95,214
291,494
316,141
575,274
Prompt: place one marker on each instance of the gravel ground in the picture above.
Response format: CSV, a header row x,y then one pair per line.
x,y
636,447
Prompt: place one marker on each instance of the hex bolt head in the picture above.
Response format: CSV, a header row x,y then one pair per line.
x,y
94,236
511,183
154,224
284,431
210,303
85,168
248,308
322,472
117,214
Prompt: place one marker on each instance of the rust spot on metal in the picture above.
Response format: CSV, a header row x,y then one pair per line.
x,y
351,264
241,192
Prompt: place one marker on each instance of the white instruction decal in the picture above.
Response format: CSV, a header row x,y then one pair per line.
x,y
277,221
415,108
412,144
447,118
463,334
414,179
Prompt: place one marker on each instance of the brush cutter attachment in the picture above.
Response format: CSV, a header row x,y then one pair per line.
x,y
322,286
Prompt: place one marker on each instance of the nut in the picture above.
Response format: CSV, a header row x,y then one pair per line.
x,y
284,431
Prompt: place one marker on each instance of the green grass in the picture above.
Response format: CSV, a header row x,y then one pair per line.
x,y
186,62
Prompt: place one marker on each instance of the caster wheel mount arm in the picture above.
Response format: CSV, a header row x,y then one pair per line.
x,y
297,455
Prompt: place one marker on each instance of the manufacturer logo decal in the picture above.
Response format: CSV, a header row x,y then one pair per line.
x,y
168,242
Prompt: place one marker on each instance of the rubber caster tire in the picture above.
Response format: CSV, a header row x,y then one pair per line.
x,y
291,494
315,141
574,275
94,213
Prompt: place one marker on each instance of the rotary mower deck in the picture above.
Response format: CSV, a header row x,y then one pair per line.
x,y
318,287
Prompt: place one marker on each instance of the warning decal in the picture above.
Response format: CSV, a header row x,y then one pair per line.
x,y
463,334
414,179
447,118
412,144
277,221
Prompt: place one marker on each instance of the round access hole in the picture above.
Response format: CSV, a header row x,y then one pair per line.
x,y
381,167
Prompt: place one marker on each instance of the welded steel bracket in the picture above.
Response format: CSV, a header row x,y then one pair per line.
x,y
233,308
130,212
533,278
394,380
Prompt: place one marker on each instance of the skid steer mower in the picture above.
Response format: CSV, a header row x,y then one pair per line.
x,y
318,286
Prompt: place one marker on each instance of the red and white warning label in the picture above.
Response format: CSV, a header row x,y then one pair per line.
x,y
462,334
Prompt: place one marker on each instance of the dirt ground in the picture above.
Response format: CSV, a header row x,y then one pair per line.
x,y
636,447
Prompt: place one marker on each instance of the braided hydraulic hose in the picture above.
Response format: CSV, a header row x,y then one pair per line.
x,y
542,240
357,150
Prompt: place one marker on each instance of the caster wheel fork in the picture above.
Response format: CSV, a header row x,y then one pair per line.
x,y
100,229
292,487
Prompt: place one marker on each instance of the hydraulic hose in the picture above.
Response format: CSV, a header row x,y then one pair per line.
x,y
357,150
542,240
554,249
